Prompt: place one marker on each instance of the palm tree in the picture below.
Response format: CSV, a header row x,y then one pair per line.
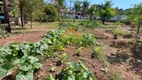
x,y
106,12
6,15
77,6
85,7
92,11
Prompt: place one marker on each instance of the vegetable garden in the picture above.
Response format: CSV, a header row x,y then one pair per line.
x,y
86,42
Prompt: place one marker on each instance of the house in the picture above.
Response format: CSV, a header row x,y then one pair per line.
x,y
120,18
70,14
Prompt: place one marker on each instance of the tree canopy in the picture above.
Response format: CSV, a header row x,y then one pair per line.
x,y
106,11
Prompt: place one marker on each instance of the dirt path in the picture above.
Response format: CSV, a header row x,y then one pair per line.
x,y
29,37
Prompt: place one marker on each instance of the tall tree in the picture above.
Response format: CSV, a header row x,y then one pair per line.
x,y
135,16
92,11
33,9
77,6
61,3
6,15
21,8
106,12
85,5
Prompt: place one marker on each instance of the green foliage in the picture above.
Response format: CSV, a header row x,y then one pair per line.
x,y
134,16
71,37
75,71
85,5
3,33
106,12
23,56
115,77
77,5
51,12
63,57
26,67
115,30
61,3
93,12
98,54
69,25
50,77
92,24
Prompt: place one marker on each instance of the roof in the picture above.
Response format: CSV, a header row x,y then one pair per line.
x,y
67,11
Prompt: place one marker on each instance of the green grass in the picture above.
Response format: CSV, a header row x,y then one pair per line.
x,y
36,27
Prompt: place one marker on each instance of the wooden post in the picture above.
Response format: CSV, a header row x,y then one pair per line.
x,y
6,15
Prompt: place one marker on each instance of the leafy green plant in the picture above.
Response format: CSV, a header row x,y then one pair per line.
x,y
26,67
78,50
75,71
23,56
50,77
63,57
89,40
116,32
92,24
53,69
16,55
115,77
51,13
3,32
98,54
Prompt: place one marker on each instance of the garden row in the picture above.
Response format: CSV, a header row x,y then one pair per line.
x,y
25,58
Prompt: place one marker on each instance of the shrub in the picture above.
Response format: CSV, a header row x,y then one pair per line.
x,y
3,33
92,24
74,71
51,13
116,32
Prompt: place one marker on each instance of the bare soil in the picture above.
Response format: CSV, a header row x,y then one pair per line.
x,y
20,38
119,55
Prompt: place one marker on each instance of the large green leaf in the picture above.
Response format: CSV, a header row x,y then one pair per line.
x,y
3,72
37,65
27,76
33,59
50,77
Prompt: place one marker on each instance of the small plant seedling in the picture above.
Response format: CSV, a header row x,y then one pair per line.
x,y
53,69
116,32
96,53
63,57
50,77
78,51
115,77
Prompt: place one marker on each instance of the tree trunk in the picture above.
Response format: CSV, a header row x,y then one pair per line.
x,y
91,17
16,16
21,13
31,22
103,20
6,15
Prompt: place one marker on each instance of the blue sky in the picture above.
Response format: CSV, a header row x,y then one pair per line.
x,y
125,4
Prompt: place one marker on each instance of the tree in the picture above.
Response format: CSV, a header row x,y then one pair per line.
x,y
135,16
61,3
33,9
51,13
77,6
6,15
106,12
92,11
21,8
85,5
